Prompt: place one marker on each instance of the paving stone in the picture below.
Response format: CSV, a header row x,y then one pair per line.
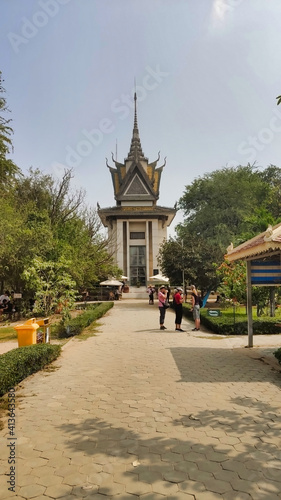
x,y
137,487
98,478
58,490
234,465
236,495
186,466
208,495
152,496
112,488
214,456
194,457
243,485
174,476
199,475
150,476
192,487
43,497
84,490
4,492
31,490
61,462
270,488
39,471
216,485
98,496
24,480
226,475
165,488
171,457
67,470
47,480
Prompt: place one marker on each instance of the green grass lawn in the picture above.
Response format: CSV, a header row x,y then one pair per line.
x,y
7,333
240,313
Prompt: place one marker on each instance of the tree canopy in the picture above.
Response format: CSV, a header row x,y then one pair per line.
x,y
228,205
46,228
44,219
8,170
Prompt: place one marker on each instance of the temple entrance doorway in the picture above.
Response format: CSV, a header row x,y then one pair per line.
x,y
137,266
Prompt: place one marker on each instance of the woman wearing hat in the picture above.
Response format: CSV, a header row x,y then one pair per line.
x,y
178,300
162,297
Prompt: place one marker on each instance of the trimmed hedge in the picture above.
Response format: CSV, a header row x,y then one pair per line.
x,y
224,324
76,325
19,363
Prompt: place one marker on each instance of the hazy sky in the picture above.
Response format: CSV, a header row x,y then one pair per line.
x,y
207,74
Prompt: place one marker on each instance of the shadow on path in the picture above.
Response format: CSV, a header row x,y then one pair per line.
x,y
251,429
221,365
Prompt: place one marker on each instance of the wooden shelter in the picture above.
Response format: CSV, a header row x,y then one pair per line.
x,y
262,255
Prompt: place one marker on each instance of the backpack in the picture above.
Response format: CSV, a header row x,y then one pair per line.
x,y
200,302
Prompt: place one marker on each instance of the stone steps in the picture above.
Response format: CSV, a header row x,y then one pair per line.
x,y
136,293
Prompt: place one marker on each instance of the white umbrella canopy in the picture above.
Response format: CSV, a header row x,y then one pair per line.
x,y
124,277
111,282
159,278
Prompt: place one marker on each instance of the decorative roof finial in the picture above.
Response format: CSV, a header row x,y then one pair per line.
x,y
135,149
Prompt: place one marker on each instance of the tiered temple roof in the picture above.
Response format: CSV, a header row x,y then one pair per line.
x,y
136,179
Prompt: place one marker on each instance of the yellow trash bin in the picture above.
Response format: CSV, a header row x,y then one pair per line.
x,y
27,332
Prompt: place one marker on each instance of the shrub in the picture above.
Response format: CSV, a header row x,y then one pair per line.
x,y
277,355
19,363
76,325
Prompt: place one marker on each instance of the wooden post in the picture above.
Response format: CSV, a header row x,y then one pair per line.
x,y
249,305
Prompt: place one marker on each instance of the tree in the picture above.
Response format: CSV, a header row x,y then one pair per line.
x,y
54,196
45,219
52,286
227,205
271,176
192,257
8,170
63,226
232,277
216,205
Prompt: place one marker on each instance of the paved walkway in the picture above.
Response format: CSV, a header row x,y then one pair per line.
x,y
136,412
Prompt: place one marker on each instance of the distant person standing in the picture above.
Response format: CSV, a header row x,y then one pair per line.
x,y
162,297
178,300
151,292
195,308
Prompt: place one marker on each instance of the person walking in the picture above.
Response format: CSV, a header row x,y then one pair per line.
x,y
178,300
195,308
162,297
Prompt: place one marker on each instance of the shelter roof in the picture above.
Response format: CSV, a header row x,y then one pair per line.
x,y
263,244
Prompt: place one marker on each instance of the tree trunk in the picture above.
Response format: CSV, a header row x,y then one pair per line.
x,y
272,302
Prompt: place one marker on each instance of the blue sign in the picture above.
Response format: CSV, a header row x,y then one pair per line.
x,y
265,272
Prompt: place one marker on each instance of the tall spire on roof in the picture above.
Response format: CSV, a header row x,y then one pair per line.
x,y
135,152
